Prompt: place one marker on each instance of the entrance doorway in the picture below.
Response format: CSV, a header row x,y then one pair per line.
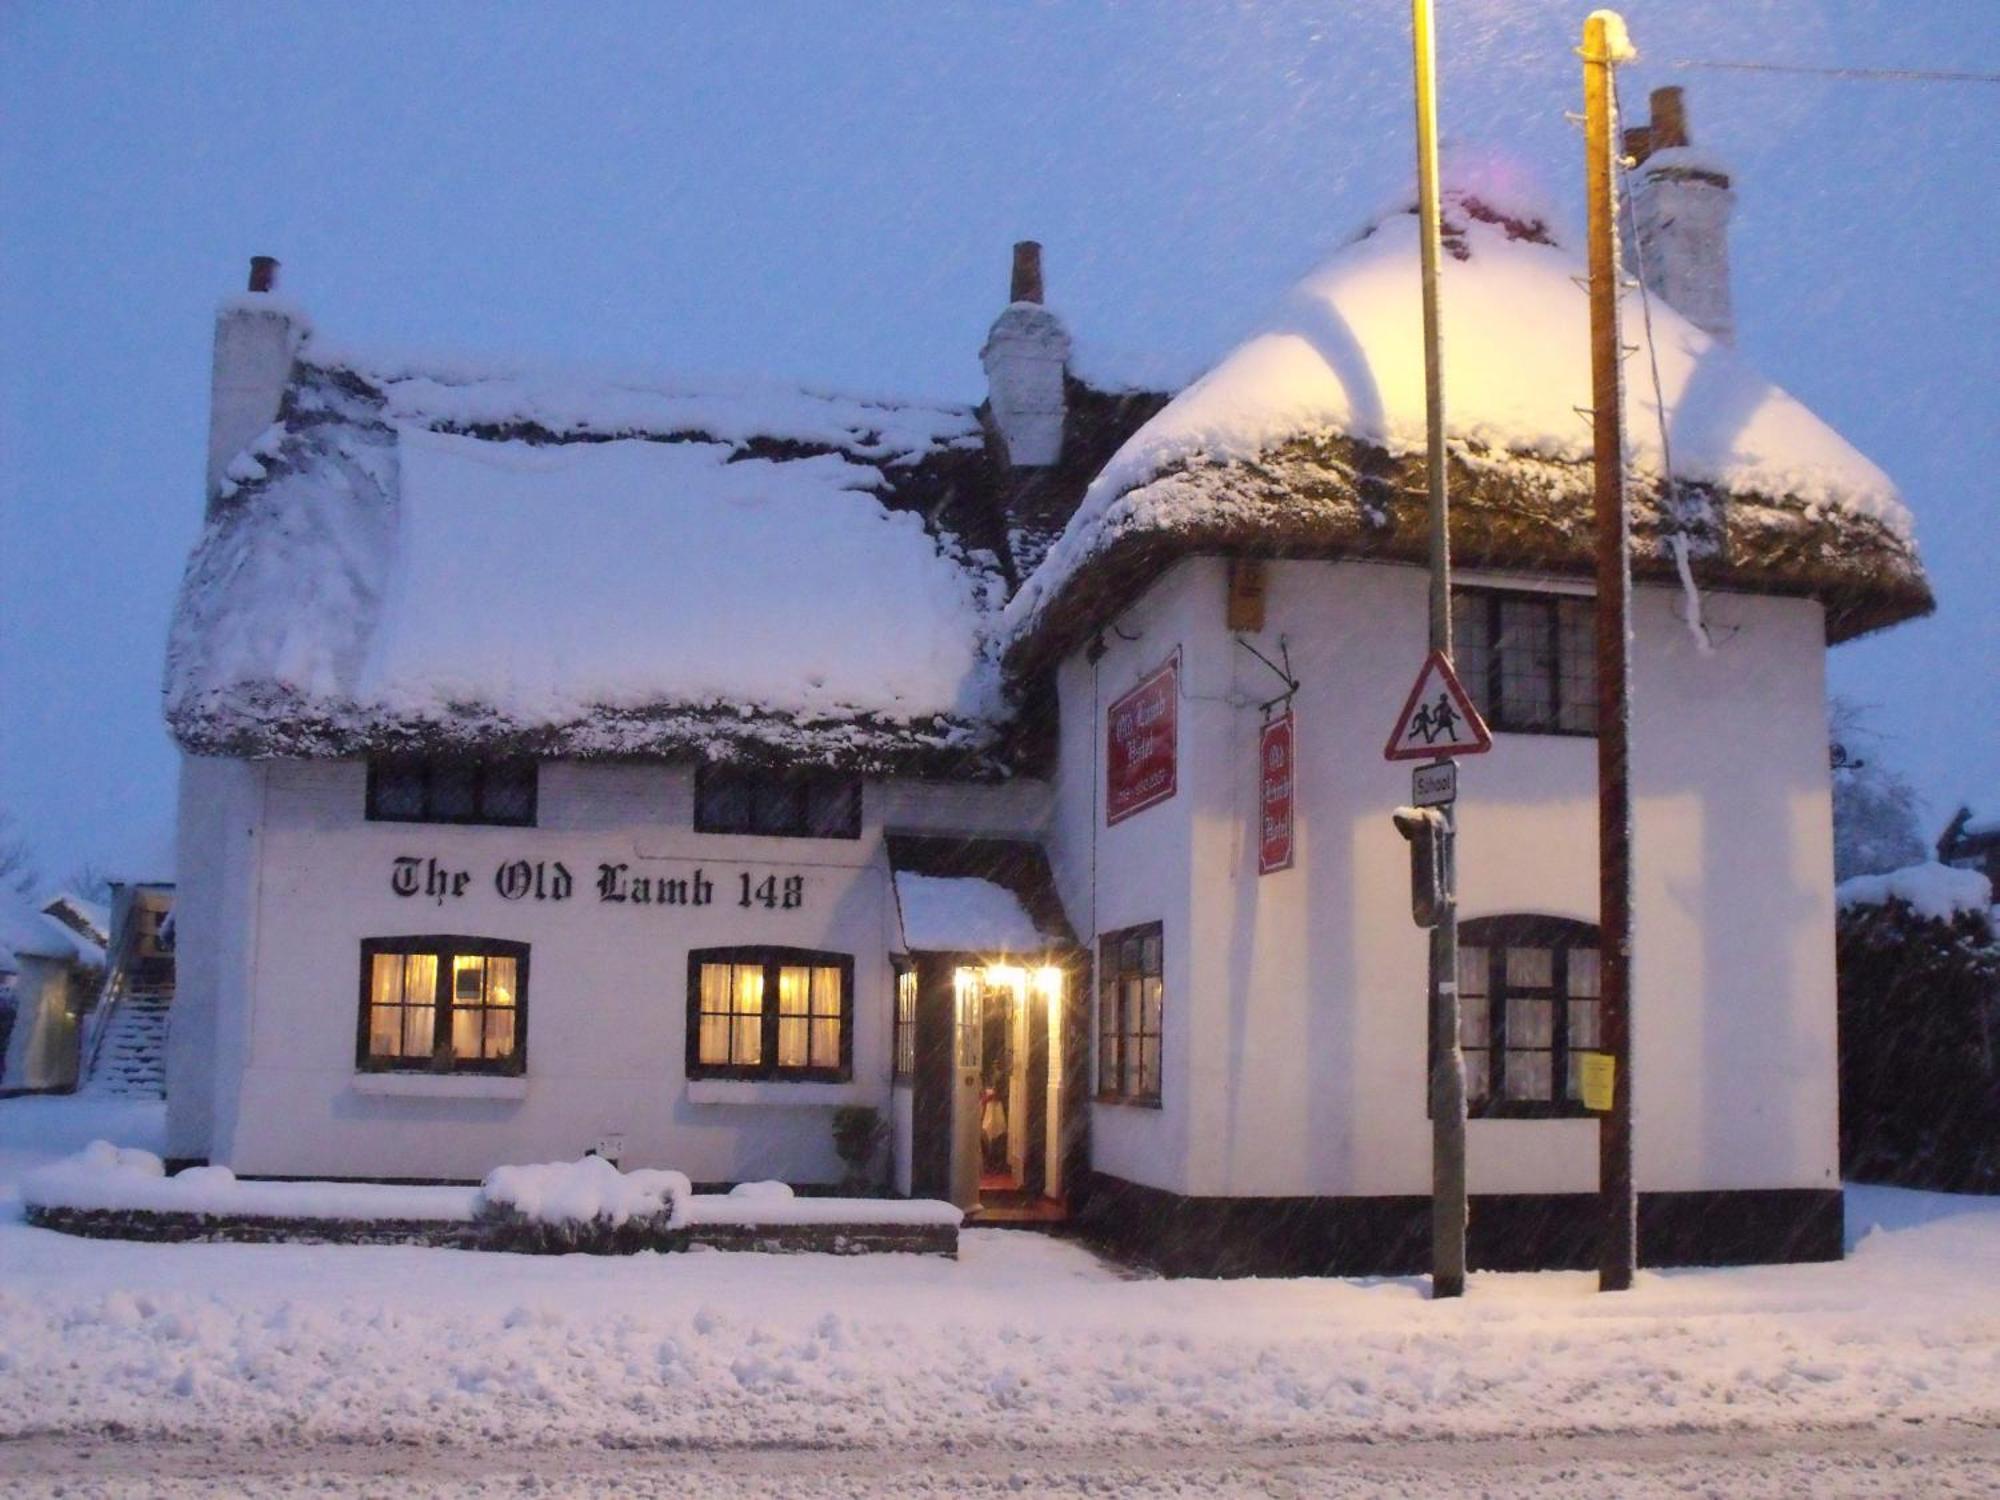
x,y
1007,1115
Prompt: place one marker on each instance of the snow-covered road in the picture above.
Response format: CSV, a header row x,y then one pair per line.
x,y
1028,1364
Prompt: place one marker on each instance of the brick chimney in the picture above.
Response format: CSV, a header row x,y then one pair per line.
x,y
1025,356
1681,202
256,338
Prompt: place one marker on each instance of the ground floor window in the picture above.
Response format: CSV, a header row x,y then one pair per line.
x,y
443,1005
780,1013
1131,994
1528,1008
906,1020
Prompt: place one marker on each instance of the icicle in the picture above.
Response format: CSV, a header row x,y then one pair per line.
x,y
1690,596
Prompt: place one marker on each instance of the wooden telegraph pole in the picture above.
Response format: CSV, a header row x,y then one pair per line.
x,y
1605,45
1447,1080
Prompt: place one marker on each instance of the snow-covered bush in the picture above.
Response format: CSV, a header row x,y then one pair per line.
x,y
588,1206
100,1175
1920,1030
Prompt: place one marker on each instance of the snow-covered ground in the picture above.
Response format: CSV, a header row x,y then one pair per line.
x,y
1026,1365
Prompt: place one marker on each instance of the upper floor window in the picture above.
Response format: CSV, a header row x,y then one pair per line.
x,y
734,799
1529,660
1528,1007
765,1012
1131,994
443,1005
452,791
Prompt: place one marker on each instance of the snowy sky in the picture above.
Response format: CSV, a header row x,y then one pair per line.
x,y
829,193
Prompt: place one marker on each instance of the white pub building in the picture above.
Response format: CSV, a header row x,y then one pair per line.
x,y
575,763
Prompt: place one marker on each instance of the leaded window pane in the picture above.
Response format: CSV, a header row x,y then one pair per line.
x,y
1527,1075
1527,662
1577,664
1530,968
454,792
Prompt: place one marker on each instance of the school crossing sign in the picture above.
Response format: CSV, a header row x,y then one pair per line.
x,y
1438,719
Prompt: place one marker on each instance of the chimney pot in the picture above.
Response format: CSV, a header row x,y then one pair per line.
x,y
263,273
1670,124
1027,282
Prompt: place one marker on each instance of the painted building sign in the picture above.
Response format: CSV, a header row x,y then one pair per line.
x,y
414,876
1140,745
1277,753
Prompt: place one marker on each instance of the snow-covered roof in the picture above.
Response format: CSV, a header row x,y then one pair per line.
x,y
1304,436
964,914
28,931
427,558
91,919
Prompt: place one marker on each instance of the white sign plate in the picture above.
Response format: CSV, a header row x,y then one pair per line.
x,y
1434,786
1438,719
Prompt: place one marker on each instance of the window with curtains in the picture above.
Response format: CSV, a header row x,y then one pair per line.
x,y
906,1020
1529,660
778,1013
1528,1008
1131,993
443,1005
452,791
735,799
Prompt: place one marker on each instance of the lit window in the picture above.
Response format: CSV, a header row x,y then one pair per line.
x,y
770,1013
906,1019
731,799
1528,660
443,791
443,1005
1131,993
1528,1010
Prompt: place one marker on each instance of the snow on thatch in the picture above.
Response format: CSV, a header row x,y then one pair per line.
x,y
450,559
1308,438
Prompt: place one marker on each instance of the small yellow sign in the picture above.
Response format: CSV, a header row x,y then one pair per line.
x,y
1599,1070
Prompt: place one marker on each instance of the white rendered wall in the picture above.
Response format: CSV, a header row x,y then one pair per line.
x,y
1139,870
221,805
1296,1026
607,988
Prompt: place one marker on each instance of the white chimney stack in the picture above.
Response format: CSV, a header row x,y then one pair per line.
x,y
1681,204
1025,356
256,338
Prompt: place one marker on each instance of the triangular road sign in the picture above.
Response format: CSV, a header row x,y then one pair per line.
x,y
1438,719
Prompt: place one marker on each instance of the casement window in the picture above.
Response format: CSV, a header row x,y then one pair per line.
x,y
1131,991
1528,660
906,1020
732,799
452,791
777,1013
1528,1008
443,1005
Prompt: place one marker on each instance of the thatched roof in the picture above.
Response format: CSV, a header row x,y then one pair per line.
x,y
488,563
1307,441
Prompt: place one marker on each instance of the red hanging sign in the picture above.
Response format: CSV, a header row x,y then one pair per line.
x,y
1140,745
1277,755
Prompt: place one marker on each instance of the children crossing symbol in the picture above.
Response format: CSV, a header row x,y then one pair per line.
x,y
1438,719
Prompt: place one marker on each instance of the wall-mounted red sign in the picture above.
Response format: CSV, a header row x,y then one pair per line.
x,y
1140,742
1277,754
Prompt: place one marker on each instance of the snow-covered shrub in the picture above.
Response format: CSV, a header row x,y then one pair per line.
x,y
1920,1030
588,1206
762,1192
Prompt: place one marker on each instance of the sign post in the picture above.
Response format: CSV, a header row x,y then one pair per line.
x,y
1438,721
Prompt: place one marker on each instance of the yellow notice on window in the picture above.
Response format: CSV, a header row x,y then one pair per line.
x,y
1598,1072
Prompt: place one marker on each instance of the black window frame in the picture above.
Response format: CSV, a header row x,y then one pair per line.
x,y
428,767
903,1026
444,947
1496,935
1113,1040
1485,688
772,957
787,811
